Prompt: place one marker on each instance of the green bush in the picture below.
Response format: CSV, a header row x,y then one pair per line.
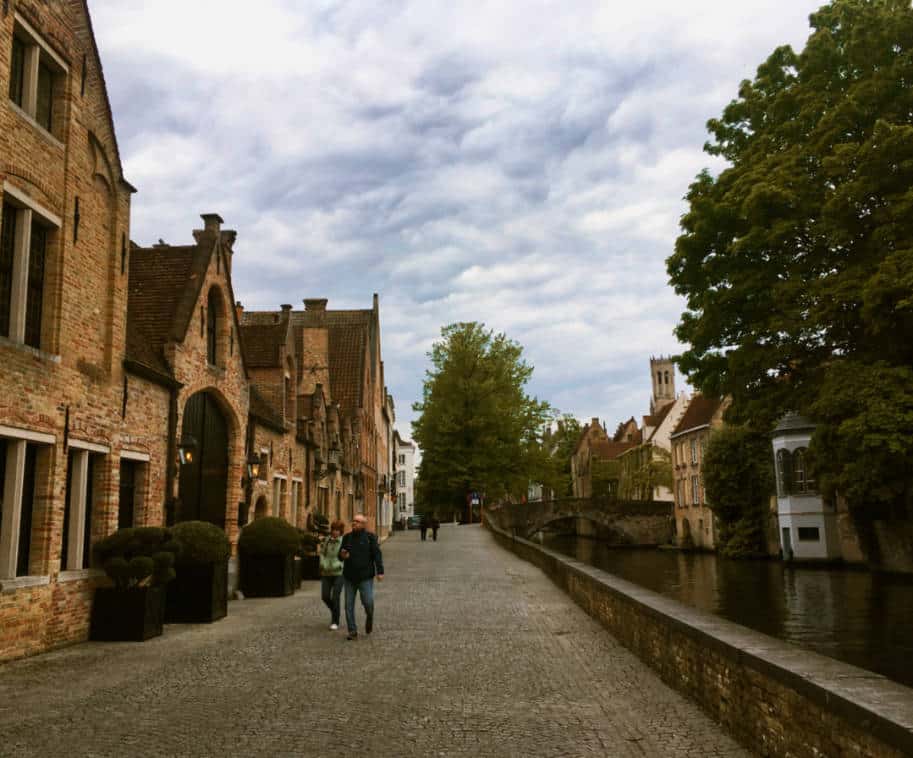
x,y
200,543
309,542
137,556
269,536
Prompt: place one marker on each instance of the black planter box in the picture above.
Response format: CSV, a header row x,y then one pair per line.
x,y
198,594
310,567
296,576
267,575
131,615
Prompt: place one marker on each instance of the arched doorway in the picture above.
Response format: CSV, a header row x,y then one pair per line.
x,y
203,482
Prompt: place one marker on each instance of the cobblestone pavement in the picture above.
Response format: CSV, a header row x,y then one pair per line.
x,y
474,653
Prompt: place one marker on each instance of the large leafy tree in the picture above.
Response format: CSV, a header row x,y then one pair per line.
x,y
477,428
558,444
797,259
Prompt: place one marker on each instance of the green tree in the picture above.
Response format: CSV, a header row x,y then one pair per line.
x,y
797,260
738,481
558,444
642,470
477,428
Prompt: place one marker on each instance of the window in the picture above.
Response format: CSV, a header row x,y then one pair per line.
x,y
17,71
211,331
402,460
809,534
21,461
695,490
76,549
293,504
402,478
24,243
693,450
784,472
126,508
802,481
35,75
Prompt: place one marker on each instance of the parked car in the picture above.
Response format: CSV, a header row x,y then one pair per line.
x,y
413,522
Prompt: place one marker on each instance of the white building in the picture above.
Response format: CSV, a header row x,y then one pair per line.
x,y
405,478
808,526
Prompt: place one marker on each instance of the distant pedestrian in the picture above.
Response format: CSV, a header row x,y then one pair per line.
x,y
362,561
435,525
423,526
331,580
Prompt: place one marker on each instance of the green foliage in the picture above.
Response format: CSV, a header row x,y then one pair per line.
x,y
797,260
643,469
137,556
309,542
738,482
269,536
321,523
477,428
558,445
605,477
200,543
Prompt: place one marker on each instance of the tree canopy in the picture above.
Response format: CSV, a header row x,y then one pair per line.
x,y
477,428
796,262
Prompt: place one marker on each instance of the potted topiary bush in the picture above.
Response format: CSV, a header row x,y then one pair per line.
x,y
140,562
199,592
310,558
267,549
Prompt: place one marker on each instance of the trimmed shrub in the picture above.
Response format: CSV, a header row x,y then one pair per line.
x,y
269,536
137,556
200,543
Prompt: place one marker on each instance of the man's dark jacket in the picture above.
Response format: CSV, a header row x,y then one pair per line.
x,y
364,559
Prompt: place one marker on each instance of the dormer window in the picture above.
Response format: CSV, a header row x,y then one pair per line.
x,y
36,76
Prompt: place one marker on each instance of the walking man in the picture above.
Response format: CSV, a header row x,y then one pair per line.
x,y
362,561
423,526
435,525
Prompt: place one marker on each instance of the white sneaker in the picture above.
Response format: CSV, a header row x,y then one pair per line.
x,y
334,627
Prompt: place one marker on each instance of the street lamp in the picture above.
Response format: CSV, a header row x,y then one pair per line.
x,y
253,467
187,449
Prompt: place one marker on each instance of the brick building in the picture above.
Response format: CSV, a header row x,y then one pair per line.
x,y
593,448
694,521
134,390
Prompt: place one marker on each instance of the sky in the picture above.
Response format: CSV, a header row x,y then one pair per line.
x,y
518,163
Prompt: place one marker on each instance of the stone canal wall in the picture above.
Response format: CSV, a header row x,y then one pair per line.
x,y
775,698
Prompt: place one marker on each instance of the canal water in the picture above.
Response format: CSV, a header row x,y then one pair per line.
x,y
852,615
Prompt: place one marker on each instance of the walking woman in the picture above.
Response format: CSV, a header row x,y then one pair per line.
x,y
331,580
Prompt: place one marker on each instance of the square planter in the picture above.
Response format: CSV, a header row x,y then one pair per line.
x,y
310,567
267,575
296,577
198,594
131,615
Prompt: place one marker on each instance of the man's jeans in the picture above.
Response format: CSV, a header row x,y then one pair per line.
x,y
330,590
366,590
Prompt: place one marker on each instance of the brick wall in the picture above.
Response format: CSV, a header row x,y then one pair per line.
x,y
776,699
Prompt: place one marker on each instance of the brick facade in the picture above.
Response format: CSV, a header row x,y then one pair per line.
x,y
111,353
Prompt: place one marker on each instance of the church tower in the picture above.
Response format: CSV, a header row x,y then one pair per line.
x,y
662,371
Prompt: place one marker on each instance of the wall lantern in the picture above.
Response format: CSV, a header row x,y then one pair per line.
x,y
187,450
253,467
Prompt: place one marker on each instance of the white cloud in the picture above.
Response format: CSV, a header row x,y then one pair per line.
x,y
517,163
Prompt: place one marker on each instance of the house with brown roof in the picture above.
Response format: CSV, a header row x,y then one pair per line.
x,y
593,449
695,525
64,404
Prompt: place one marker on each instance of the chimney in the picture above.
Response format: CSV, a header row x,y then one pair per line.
x,y
212,223
286,311
239,310
314,304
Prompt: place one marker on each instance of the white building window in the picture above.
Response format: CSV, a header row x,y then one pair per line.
x,y
693,450
25,233
695,490
37,78
22,454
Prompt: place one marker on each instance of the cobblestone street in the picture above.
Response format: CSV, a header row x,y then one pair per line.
x,y
474,653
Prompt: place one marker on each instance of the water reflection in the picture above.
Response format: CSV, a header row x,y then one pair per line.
x,y
855,616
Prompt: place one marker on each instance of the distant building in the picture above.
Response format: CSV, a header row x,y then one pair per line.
x,y
405,478
694,522
593,448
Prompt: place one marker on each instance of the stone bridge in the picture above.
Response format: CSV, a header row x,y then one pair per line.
x,y
621,522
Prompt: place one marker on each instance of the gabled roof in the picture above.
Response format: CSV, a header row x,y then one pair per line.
x,y
164,287
349,333
263,338
700,412
656,420
261,410
607,449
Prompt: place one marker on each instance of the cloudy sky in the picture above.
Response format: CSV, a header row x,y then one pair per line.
x,y
520,163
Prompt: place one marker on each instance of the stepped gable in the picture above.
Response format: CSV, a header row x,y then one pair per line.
x,y
700,412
